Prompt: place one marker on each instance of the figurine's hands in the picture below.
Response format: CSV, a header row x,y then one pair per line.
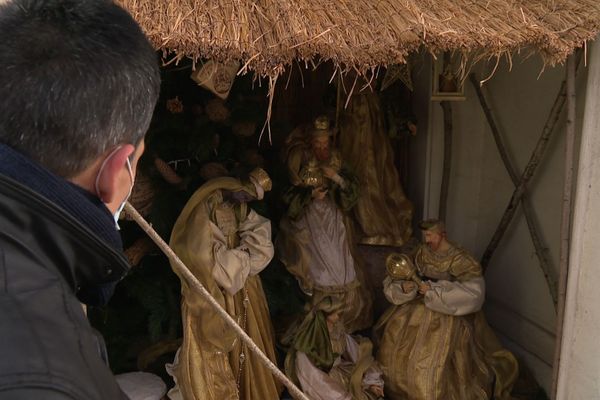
x,y
332,175
408,286
376,390
319,193
424,287
328,172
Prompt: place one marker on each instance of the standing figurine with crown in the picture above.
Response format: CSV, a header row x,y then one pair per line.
x,y
225,244
315,242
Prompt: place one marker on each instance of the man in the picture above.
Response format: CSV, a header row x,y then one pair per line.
x,y
225,244
315,243
78,85
435,343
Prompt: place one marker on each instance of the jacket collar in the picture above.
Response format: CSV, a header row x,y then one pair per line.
x,y
79,203
41,207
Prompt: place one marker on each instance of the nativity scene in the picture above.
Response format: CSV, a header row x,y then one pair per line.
x,y
307,218
308,191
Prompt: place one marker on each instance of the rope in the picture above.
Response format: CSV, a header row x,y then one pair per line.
x,y
184,271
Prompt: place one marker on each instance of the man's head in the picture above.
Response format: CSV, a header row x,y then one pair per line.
x,y
434,233
320,138
78,86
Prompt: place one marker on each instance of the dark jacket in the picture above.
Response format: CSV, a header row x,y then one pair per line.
x,y
48,348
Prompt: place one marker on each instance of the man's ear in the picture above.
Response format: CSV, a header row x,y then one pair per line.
x,y
113,176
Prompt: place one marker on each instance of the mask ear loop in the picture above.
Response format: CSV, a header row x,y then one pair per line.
x,y
112,153
130,170
120,209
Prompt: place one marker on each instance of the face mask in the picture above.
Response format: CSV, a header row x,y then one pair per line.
x,y
120,209
117,214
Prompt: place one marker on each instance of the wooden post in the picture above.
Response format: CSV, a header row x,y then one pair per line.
x,y
565,228
447,108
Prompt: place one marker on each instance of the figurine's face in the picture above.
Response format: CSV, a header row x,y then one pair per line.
x,y
333,318
320,146
433,239
239,197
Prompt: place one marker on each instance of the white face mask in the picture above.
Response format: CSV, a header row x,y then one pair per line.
x,y
117,214
120,209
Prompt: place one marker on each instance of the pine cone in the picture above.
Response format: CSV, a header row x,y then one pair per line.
x,y
175,106
142,196
138,250
217,111
167,172
244,128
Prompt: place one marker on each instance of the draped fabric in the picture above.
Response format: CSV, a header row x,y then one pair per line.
x,y
439,346
382,212
316,246
353,372
330,264
330,364
225,247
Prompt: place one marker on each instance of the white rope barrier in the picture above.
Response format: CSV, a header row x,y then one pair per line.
x,y
193,281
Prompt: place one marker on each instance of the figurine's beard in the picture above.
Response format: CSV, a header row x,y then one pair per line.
x,y
321,154
433,246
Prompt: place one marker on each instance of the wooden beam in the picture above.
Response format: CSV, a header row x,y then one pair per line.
x,y
529,212
447,108
528,173
565,228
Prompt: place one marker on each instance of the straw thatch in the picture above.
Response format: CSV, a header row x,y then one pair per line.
x,y
266,35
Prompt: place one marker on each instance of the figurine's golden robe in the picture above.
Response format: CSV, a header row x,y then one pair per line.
x,y
439,346
225,247
315,239
383,213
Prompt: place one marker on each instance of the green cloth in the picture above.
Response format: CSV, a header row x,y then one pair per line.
x,y
348,197
313,340
297,198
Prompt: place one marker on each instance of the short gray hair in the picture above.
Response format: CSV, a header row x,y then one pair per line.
x,y
78,77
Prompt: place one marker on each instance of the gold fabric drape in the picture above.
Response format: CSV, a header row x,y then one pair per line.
x,y
342,360
383,213
293,244
209,359
429,355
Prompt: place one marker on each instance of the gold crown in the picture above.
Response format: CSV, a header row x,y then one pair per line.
x,y
434,225
262,178
321,126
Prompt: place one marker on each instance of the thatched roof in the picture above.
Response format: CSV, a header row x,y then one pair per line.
x,y
266,35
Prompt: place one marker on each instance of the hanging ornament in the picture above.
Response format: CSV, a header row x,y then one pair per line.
x,y
216,77
175,106
397,72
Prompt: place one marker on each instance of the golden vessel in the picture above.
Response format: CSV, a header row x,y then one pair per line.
x,y
312,175
400,266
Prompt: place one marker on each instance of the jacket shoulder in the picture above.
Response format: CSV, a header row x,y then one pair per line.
x,y
48,345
